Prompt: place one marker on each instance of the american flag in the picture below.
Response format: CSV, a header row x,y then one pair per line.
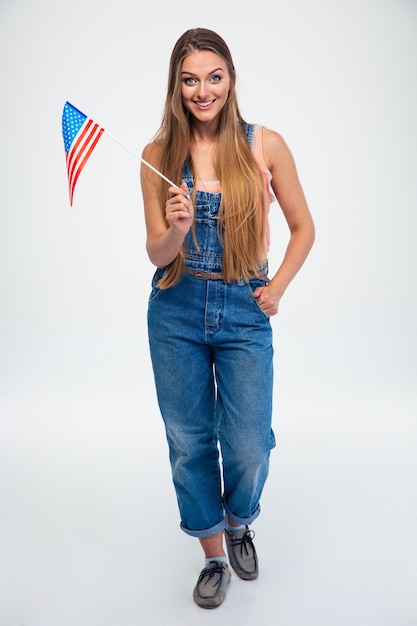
x,y
80,135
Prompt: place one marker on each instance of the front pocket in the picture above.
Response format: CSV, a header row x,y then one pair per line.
x,y
155,291
251,286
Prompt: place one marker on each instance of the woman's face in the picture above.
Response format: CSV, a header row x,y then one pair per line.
x,y
205,84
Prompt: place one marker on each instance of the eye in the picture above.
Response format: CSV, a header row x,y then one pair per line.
x,y
189,80
215,78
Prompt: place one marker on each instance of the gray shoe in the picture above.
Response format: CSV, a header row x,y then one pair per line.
x,y
242,553
210,590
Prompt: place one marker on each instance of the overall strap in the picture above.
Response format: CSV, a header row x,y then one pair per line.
x,y
186,176
250,131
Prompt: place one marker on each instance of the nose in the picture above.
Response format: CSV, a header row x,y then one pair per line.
x,y
203,90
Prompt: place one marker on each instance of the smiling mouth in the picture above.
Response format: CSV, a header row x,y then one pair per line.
x,y
203,105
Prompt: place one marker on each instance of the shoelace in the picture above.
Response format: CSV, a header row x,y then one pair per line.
x,y
209,572
243,541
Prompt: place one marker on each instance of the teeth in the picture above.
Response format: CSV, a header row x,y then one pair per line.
x,y
204,104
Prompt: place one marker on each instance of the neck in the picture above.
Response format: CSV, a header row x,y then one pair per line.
x,y
205,132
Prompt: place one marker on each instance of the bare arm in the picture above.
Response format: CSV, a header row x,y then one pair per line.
x,y
290,195
164,237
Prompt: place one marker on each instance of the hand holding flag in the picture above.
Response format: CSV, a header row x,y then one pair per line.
x,y
80,136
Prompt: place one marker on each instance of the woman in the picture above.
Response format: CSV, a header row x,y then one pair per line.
x,y
208,318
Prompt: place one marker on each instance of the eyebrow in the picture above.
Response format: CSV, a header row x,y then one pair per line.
x,y
219,69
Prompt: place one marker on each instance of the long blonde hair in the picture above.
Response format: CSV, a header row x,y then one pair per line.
x,y
241,214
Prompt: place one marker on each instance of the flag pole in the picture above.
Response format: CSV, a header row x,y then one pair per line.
x,y
140,159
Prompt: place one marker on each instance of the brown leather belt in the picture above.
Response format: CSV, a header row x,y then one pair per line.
x,y
203,275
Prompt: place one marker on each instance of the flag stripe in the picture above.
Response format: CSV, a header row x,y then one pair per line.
x,y
77,172
80,137
82,145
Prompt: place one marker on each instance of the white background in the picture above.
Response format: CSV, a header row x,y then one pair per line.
x,y
89,530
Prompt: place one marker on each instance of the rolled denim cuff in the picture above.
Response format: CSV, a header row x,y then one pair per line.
x,y
206,532
242,520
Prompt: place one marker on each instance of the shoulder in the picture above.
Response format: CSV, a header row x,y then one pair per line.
x,y
276,150
273,142
152,151
151,155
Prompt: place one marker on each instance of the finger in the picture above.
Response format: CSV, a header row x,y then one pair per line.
x,y
178,203
184,187
177,191
258,291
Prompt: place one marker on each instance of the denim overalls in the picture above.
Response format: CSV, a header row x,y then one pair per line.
x,y
212,356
